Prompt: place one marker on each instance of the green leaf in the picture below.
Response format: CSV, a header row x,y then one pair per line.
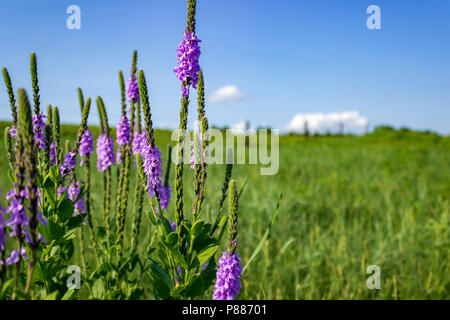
x,y
75,222
65,209
50,195
205,254
98,289
55,174
151,218
177,255
197,228
200,284
52,231
101,233
160,280
69,295
11,175
222,221
50,296
172,239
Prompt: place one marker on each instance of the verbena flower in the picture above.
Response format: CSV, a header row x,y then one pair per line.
x,y
228,277
133,89
52,154
164,196
173,225
39,130
18,219
14,258
69,163
13,131
123,136
2,229
86,146
105,152
187,69
139,141
72,194
61,190
153,170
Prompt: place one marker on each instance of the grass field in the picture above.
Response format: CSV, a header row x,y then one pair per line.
x,y
350,202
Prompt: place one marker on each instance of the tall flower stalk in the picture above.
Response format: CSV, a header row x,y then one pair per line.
x,y
200,150
25,132
186,70
105,159
228,275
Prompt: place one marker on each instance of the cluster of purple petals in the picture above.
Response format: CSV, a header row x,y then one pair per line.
x,y
123,131
228,277
52,154
61,190
153,170
15,254
72,194
13,131
19,221
105,152
123,136
18,216
187,69
132,89
164,196
139,141
86,145
2,229
39,130
173,225
69,163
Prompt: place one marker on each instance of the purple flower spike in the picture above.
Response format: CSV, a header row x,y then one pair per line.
x,y
133,89
69,163
123,136
2,229
153,171
86,146
16,208
52,154
105,152
39,130
123,131
139,141
187,69
164,196
72,194
228,277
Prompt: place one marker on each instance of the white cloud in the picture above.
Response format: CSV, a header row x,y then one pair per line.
x,y
226,93
322,122
239,128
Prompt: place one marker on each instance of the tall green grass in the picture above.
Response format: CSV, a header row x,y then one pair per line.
x,y
349,202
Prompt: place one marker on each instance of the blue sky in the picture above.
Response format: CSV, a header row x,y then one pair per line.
x,y
285,57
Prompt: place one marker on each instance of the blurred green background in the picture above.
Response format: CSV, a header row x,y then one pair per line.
x,y
351,202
